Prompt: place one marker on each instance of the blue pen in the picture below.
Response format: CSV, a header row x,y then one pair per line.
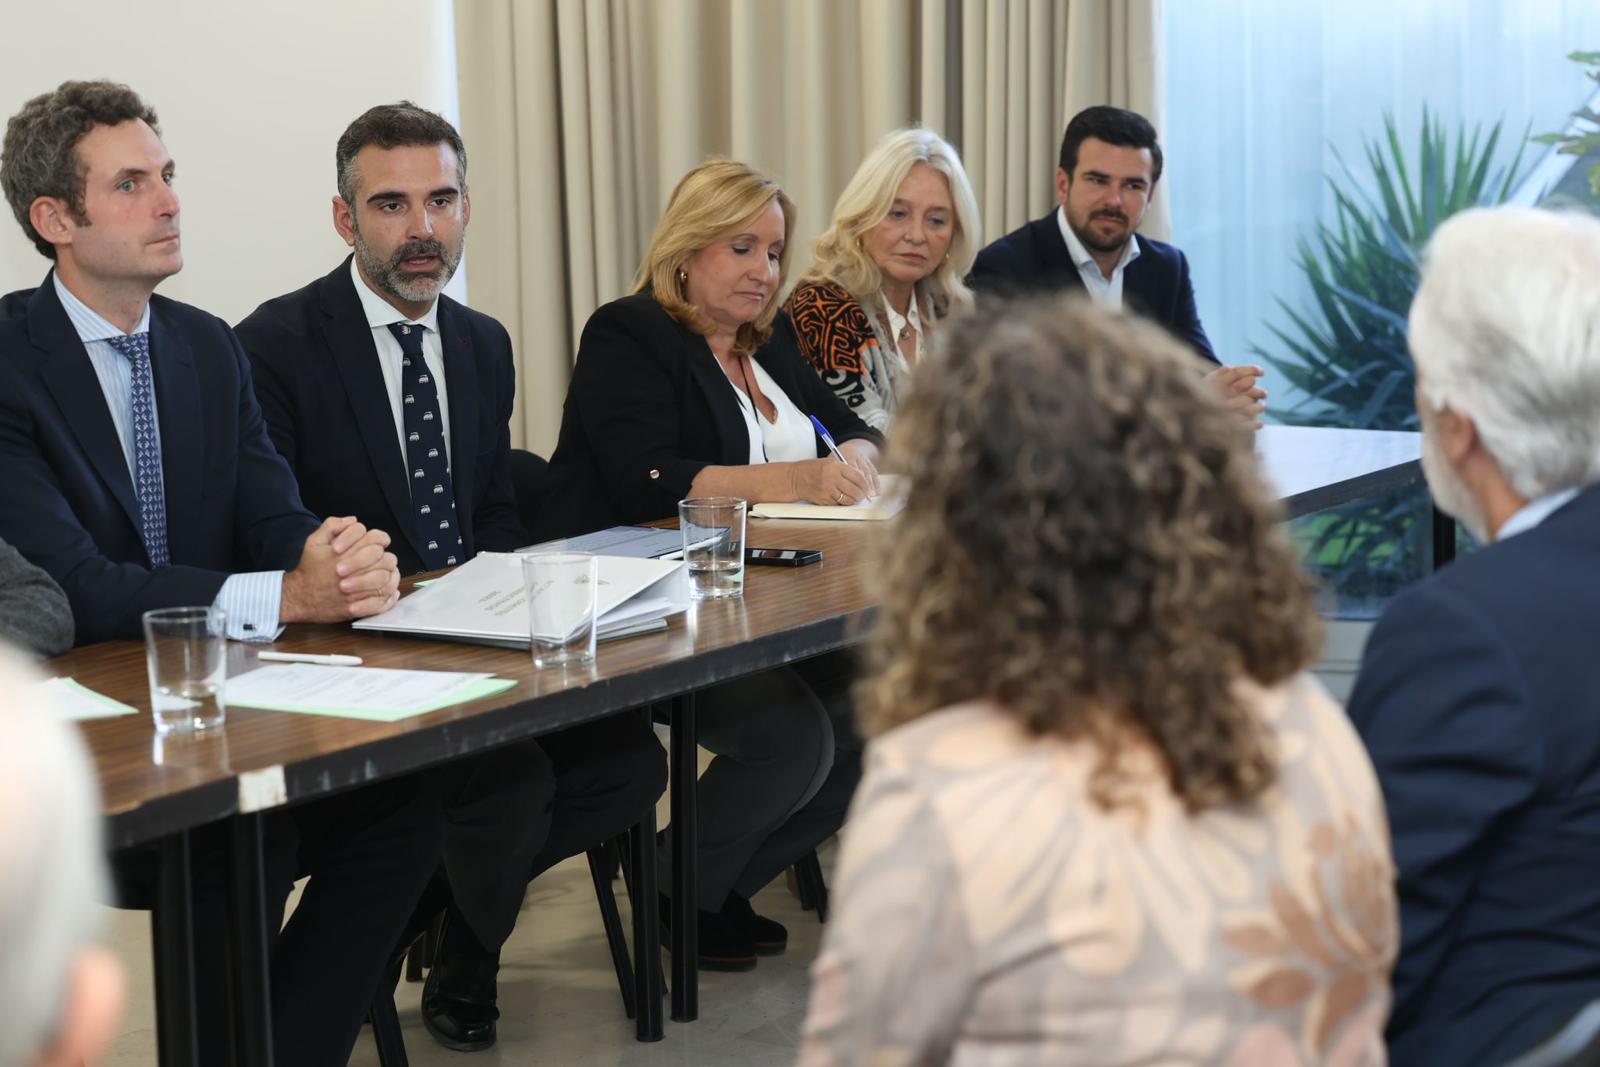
x,y
827,439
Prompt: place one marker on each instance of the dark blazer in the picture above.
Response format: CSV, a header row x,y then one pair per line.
x,y
1479,700
328,411
1035,257
67,501
648,407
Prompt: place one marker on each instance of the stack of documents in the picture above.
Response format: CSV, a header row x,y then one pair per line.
x,y
885,505
373,693
482,601
636,542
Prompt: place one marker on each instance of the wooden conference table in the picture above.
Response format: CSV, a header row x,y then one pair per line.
x,y
157,792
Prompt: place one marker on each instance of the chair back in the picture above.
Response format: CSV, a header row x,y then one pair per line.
x,y
528,484
1577,1044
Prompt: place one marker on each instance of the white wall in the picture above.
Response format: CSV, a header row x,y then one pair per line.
x,y
252,97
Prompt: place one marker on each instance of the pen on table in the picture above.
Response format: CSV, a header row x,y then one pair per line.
x,y
827,439
306,657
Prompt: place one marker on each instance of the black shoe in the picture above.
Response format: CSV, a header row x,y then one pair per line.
x,y
458,1000
768,937
724,946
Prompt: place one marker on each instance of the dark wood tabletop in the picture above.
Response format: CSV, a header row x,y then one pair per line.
x,y
154,786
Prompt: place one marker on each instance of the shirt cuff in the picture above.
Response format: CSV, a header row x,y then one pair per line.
x,y
251,602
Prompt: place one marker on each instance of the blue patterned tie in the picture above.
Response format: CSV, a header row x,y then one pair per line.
x,y
433,498
147,482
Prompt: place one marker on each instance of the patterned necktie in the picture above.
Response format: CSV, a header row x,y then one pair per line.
x,y
433,498
147,481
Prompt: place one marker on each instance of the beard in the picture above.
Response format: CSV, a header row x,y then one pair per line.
x,y
1450,493
1094,242
386,273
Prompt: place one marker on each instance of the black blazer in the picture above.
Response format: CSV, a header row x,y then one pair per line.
x,y
1479,702
328,412
67,501
649,406
1035,257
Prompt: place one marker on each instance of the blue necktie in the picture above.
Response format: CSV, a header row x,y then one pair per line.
x,y
433,498
147,482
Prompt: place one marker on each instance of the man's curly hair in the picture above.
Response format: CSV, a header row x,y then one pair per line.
x,y
39,156
1088,543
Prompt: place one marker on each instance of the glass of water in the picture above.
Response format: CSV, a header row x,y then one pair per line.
x,y
713,545
561,588
186,652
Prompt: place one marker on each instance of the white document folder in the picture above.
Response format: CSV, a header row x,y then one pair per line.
x,y
482,601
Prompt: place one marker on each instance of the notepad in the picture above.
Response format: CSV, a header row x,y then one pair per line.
x,y
375,694
886,505
78,703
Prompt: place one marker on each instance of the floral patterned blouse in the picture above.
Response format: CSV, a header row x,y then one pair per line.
x,y
988,914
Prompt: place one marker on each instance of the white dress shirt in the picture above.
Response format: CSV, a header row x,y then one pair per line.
x,y
1104,292
251,601
380,313
1534,512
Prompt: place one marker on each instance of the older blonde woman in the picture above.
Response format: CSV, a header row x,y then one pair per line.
x,y
904,233
1107,818
692,386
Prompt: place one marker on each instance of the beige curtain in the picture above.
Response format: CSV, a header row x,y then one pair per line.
x,y
580,116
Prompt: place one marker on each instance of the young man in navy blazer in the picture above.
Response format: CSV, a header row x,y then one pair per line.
x,y
138,474
393,402
1479,692
1109,166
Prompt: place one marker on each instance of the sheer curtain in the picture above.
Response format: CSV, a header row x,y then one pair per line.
x,y
579,117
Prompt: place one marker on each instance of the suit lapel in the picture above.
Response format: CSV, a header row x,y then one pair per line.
x,y
1137,280
349,339
71,379
1055,259
725,419
182,449
461,379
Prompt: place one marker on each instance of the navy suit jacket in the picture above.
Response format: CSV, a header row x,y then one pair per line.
x,y
648,407
67,499
1479,700
328,412
1035,258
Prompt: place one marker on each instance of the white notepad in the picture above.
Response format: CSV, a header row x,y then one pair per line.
x,y
886,505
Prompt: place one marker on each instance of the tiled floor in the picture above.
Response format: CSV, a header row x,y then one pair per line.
x,y
558,994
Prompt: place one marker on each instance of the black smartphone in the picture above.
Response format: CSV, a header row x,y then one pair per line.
x,y
783,557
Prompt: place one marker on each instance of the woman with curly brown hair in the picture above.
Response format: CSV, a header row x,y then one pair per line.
x,y
1107,817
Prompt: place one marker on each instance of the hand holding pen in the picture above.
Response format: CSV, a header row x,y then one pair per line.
x,y
861,462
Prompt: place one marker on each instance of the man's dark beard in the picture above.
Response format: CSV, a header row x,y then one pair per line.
x,y
387,275
1095,244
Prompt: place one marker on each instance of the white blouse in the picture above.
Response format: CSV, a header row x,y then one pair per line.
x,y
790,438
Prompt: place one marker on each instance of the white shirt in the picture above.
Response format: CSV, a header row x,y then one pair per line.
x,y
1104,292
380,313
1533,513
898,322
250,601
789,439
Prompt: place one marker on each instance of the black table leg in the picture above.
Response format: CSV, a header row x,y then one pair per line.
x,y
1444,539
685,863
252,990
643,889
172,931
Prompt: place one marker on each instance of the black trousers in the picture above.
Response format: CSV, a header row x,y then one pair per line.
x,y
513,813
368,853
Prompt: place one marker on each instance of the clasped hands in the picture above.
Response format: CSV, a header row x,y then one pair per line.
x,y
1239,391
346,571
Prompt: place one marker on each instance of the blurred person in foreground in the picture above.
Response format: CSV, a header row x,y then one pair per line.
x,y
61,994
887,270
1107,816
1479,693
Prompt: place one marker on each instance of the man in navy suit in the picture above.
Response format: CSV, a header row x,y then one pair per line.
x,y
393,402
1109,166
1479,693
138,474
